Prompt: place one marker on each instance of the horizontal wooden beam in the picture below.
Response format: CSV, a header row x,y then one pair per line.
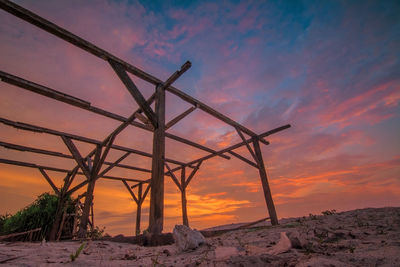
x,y
62,155
52,28
225,150
34,128
36,166
107,114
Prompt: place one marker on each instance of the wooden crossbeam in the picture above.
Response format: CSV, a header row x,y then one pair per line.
x,y
46,176
247,145
179,117
131,192
33,128
193,173
36,166
173,177
225,150
99,111
243,159
130,85
54,29
77,156
114,164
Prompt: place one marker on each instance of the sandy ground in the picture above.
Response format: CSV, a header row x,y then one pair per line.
x,y
367,237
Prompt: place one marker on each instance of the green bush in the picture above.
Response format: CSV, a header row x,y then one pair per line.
x,y
39,214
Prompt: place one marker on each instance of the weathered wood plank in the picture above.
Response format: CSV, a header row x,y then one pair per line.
x,y
139,209
137,95
156,216
49,181
77,156
130,191
185,219
33,128
173,177
264,182
243,159
247,145
193,173
122,119
114,164
179,117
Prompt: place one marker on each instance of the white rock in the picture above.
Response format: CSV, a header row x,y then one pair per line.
x,y
282,246
186,238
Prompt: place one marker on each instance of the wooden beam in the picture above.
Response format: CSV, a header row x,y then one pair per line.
x,y
77,156
243,159
173,177
185,219
156,216
52,28
115,163
139,209
130,191
273,131
49,181
130,85
193,173
265,185
177,138
146,192
247,145
33,128
62,155
179,117
43,90
113,116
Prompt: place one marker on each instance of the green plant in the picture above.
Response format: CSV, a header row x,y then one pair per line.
x,y
39,214
77,252
96,233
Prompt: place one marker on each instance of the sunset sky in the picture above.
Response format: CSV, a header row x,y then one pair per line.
x,y
329,68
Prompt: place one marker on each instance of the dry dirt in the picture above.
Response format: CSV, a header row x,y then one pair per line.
x,y
367,237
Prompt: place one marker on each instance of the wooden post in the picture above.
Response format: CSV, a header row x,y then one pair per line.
x,y
157,173
183,198
86,209
264,181
139,209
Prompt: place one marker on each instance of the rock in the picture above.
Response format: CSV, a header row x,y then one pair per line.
x,y
298,240
222,253
282,246
186,238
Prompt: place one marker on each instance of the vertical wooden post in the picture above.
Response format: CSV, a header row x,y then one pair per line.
x,y
86,209
157,171
183,198
264,181
139,208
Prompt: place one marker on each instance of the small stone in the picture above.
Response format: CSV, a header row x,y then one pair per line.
x,y
186,238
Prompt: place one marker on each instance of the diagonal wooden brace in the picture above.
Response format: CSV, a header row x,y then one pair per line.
x,y
137,95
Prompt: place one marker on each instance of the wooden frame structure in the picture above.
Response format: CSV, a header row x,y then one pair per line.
x,y
90,165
